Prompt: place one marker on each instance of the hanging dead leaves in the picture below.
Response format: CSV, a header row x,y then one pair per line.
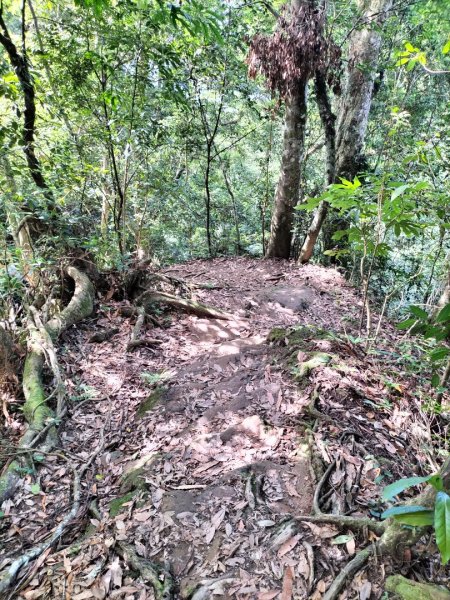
x,y
295,51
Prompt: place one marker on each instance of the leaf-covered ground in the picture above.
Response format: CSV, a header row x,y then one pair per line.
x,y
214,440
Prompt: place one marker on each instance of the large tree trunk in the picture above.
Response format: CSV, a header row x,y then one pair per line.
x,y
289,180
353,113
365,44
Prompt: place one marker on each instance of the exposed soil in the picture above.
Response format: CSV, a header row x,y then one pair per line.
x,y
214,441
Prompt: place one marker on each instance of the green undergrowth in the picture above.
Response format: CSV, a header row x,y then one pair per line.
x,y
298,349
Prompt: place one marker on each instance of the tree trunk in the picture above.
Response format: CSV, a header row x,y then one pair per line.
x,y
289,180
328,122
365,44
353,114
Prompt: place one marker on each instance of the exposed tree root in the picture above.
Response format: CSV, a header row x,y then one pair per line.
x,y
353,523
40,349
347,572
201,310
159,577
10,574
135,340
394,540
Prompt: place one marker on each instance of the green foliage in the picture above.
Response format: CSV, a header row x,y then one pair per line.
x,y
436,329
420,516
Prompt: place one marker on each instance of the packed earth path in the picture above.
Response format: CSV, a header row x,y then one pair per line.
x,y
207,445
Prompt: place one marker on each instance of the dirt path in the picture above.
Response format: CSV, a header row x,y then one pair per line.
x,y
210,449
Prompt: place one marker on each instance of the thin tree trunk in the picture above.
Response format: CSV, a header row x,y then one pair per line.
x,y
19,62
289,180
328,123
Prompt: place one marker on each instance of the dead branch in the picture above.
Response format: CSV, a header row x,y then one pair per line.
x,y
353,523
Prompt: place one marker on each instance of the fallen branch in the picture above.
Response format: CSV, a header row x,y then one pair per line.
x,y
201,310
353,523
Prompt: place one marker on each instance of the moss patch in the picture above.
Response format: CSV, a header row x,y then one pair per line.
x,y
298,349
151,401
406,589
115,506
290,335
316,359
134,476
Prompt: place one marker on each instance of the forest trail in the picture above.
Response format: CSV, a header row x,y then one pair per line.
x,y
210,447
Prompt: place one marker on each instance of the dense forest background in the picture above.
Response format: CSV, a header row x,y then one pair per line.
x,y
151,141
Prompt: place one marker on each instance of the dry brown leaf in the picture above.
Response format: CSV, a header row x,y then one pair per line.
x,y
288,584
323,531
142,516
269,595
288,545
351,546
83,595
365,590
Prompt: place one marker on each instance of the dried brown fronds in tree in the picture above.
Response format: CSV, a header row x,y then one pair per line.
x,y
296,50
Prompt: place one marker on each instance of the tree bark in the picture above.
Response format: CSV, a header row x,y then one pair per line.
x,y
289,180
353,113
365,44
19,62
328,123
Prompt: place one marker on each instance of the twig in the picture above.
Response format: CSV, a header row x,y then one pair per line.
x,y
316,498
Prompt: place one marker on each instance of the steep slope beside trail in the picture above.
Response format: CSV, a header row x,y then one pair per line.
x,y
214,439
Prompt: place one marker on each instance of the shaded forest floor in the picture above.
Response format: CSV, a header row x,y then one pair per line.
x,y
216,439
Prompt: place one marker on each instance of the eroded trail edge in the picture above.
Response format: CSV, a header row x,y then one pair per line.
x,y
223,451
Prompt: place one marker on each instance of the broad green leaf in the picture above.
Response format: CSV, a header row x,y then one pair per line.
x,y
439,354
435,380
436,482
417,516
399,191
410,47
444,314
418,312
35,488
446,48
406,324
342,539
442,525
402,484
